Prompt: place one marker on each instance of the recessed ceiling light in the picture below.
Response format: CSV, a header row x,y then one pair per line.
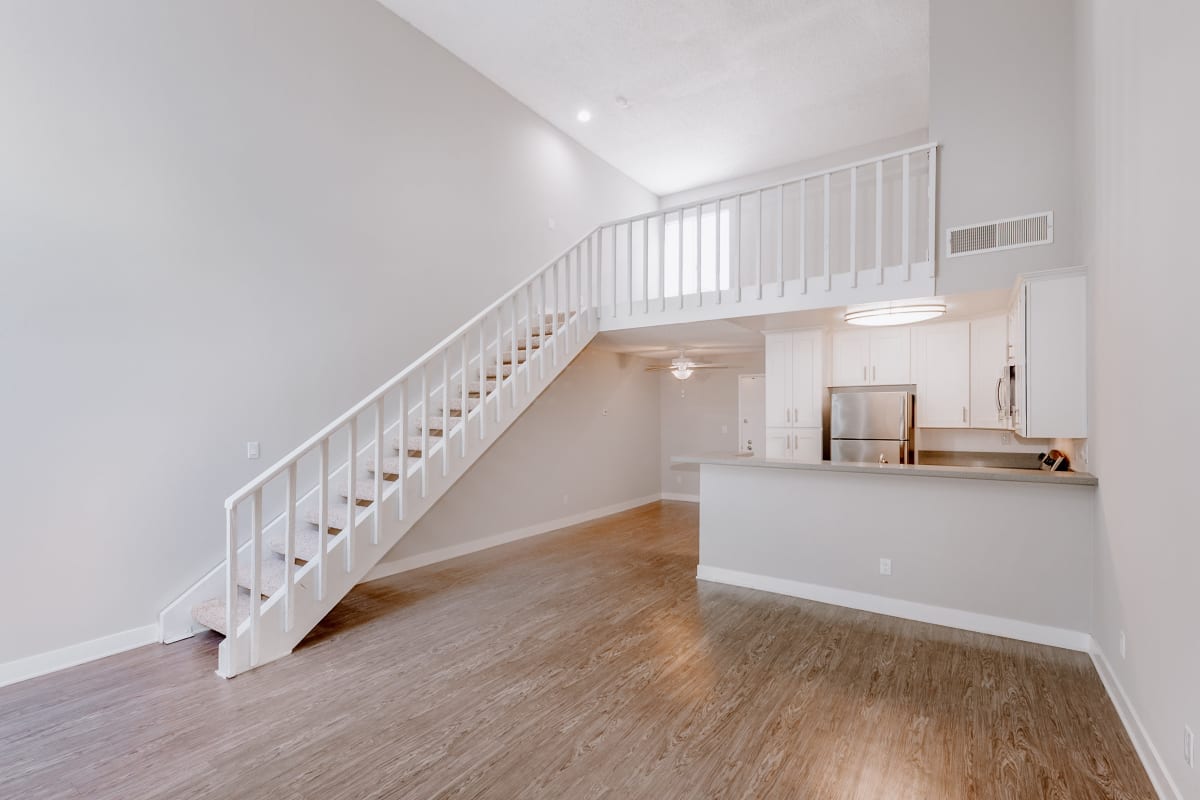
x,y
894,313
621,102
584,115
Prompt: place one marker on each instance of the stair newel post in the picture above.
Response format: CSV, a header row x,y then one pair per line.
x,y
446,411
779,240
542,355
699,259
231,586
717,246
580,270
595,284
512,318
352,494
614,270
322,516
289,553
462,391
255,574
424,430
377,488
567,300
402,436
555,279
528,338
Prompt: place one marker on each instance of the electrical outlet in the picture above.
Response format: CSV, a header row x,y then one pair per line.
x,y
1189,745
1122,644
1005,438
551,223
885,566
679,480
251,450
724,429
566,498
604,413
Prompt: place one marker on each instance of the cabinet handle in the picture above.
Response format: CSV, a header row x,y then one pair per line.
x,y
874,373
795,415
864,372
964,413
787,414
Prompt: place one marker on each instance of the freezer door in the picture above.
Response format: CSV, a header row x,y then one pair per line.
x,y
868,415
867,450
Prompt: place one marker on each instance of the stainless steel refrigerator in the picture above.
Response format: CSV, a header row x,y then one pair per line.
x,y
872,424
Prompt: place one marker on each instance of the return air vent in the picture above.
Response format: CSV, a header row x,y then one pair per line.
x,y
1004,234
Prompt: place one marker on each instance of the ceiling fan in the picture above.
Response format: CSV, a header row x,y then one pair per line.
x,y
682,367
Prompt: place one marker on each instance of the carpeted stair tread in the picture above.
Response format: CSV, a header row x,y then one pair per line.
x,y
336,517
391,464
456,405
274,573
365,491
306,540
211,613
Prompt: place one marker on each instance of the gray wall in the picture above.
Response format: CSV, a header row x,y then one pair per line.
x,y
1137,83
693,413
1001,104
588,442
227,221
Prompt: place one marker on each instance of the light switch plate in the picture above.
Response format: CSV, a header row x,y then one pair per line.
x,y
885,566
252,450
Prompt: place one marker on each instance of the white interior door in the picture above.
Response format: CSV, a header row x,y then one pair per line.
x,y
752,406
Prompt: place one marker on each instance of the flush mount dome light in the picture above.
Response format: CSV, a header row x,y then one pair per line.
x,y
894,313
584,115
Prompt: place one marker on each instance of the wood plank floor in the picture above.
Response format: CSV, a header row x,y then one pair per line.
x,y
586,663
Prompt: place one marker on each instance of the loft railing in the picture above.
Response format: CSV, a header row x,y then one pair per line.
x,y
869,222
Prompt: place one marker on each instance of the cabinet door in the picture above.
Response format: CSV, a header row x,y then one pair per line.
x,y
1056,358
779,379
778,446
851,357
806,445
807,381
989,357
943,375
890,354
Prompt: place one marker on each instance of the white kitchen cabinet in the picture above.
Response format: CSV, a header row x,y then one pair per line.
x,y
795,387
794,444
1049,338
989,360
875,357
943,365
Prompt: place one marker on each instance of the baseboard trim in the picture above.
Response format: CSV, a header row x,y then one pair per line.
x,y
389,568
683,498
1155,767
905,609
73,655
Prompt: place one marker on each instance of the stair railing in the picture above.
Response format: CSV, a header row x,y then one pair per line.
x,y
479,375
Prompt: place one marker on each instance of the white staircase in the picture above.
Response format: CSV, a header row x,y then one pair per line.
x,y
305,531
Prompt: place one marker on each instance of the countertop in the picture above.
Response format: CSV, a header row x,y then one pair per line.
x,y
926,470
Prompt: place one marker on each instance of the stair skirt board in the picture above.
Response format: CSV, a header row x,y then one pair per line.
x,y
203,606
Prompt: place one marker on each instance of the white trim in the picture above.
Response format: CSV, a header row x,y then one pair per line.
x,y
76,654
1156,769
389,568
905,609
682,498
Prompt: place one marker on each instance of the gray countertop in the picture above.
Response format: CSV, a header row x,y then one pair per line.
x,y
926,470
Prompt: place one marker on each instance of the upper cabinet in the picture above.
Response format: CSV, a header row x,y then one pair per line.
x,y
871,357
989,368
1049,339
942,361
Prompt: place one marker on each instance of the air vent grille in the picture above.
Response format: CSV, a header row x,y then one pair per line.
x,y
1004,234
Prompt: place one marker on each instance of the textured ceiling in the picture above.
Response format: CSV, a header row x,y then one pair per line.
x,y
715,88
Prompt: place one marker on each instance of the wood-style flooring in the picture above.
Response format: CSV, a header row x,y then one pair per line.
x,y
586,663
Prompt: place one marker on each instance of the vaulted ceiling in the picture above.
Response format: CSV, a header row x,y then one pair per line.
x,y
712,89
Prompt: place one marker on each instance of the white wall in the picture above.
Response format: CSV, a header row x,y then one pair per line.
x,y
222,222
692,413
1137,83
588,442
1001,104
